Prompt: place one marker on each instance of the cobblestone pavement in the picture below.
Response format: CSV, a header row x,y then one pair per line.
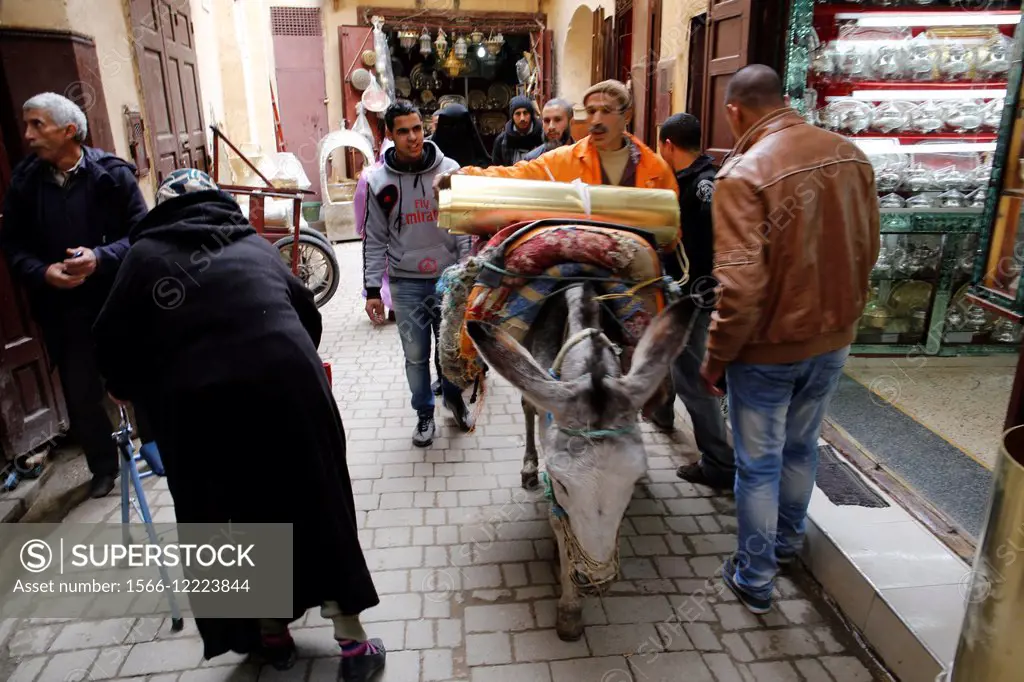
x,y
463,559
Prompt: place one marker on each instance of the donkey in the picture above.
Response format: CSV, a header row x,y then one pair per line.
x,y
590,434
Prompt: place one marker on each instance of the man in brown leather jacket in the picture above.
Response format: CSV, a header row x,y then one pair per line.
x,y
796,234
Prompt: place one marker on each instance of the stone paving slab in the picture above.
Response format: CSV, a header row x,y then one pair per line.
x,y
463,560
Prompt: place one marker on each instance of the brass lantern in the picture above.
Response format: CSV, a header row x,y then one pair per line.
x,y
441,44
453,65
494,44
476,38
407,39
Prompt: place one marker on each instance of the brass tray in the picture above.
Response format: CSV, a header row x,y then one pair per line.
x,y
909,296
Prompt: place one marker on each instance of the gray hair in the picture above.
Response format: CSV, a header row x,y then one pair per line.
x,y
562,104
63,111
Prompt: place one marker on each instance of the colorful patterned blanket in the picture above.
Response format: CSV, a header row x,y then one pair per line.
x,y
509,280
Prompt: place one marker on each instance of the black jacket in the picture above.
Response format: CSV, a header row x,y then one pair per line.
x,y
207,331
696,189
511,145
548,146
201,299
97,208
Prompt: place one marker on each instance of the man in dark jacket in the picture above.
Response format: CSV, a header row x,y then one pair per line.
x,y
222,333
67,215
521,135
679,144
555,117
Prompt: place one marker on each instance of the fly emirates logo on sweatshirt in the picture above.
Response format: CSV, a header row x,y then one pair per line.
x,y
425,212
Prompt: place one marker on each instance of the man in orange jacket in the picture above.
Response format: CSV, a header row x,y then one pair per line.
x,y
608,156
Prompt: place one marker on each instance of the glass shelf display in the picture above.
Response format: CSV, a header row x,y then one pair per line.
x,y
965,321
922,93
922,88
903,284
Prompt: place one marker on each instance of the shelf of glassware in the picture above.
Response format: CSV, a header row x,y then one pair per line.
x,y
918,302
904,282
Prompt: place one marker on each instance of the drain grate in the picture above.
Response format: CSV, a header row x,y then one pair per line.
x,y
842,485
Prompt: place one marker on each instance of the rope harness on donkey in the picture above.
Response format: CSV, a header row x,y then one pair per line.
x,y
508,282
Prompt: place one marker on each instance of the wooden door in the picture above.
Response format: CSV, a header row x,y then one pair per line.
x,y
608,63
301,86
31,405
165,49
728,41
695,78
546,52
652,58
597,47
352,41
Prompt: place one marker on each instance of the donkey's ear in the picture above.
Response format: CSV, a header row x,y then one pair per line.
x,y
665,338
509,359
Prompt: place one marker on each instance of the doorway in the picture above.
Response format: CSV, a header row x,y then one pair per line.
x,y
695,79
298,38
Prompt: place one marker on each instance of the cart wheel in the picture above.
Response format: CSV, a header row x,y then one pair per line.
x,y
177,624
318,267
317,234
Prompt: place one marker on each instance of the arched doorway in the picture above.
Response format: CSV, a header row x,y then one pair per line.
x,y
577,53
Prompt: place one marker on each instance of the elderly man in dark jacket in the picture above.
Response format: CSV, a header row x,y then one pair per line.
x,y
67,214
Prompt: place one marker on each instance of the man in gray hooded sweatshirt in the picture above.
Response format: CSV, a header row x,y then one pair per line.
x,y
402,237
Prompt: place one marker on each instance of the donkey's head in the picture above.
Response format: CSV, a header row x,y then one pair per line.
x,y
591,438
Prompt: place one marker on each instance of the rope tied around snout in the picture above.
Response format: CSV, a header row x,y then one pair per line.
x,y
579,559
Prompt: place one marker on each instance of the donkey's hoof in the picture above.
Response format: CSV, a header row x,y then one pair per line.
x,y
530,480
569,623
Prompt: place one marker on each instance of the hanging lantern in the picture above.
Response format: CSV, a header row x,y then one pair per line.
x,y
461,48
494,44
426,47
407,39
441,44
476,38
453,66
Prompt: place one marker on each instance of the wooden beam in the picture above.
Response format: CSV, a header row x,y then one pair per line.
x,y
505,22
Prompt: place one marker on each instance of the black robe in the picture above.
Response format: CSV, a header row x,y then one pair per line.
x,y
209,332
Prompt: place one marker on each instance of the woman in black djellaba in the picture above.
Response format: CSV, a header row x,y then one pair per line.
x,y
209,331
458,138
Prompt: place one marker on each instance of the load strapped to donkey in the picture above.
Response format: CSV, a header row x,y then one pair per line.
x,y
542,237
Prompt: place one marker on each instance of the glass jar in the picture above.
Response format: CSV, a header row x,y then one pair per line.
x,y
891,201
956,62
928,117
889,63
918,179
922,58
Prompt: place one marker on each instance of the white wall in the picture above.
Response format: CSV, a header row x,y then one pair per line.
x,y
573,42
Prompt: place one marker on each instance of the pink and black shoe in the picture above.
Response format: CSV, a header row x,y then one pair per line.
x,y
278,650
361,661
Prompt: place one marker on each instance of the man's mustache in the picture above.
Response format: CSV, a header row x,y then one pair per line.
x,y
598,129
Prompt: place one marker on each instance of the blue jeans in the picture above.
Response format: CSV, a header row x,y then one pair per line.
x,y
418,314
776,413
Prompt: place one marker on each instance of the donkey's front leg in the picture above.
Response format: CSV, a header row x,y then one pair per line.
x,y
529,472
569,619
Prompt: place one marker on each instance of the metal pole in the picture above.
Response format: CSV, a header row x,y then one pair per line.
x,y
989,648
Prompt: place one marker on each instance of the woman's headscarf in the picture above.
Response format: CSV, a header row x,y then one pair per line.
x,y
458,139
183,181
